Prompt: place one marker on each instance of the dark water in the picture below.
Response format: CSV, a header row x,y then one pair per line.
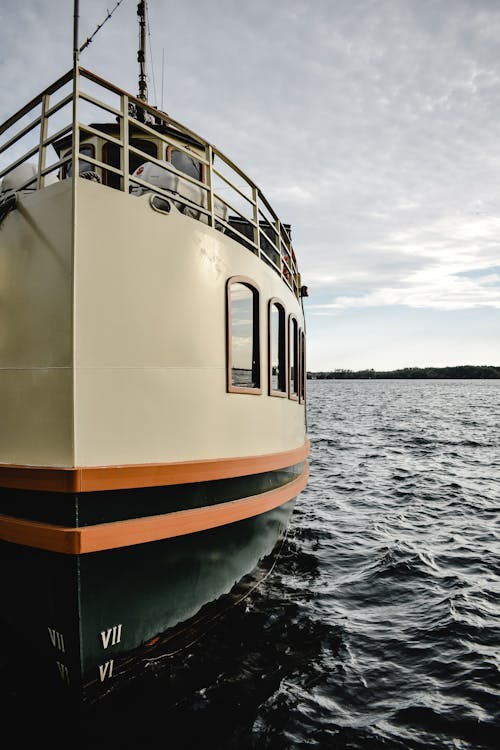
x,y
380,627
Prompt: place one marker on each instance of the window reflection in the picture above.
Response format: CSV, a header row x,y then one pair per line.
x,y
294,358
244,343
277,347
86,149
303,373
185,163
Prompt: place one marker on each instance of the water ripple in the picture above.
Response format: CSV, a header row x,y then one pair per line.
x,y
380,627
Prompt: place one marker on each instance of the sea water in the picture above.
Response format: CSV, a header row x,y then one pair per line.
x,y
380,625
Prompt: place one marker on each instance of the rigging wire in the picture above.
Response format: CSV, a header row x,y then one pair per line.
x,y
110,13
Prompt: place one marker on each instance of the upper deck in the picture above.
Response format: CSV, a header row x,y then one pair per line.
x,y
128,145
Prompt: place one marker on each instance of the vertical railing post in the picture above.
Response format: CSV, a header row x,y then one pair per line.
x,y
42,149
124,157
278,244
75,151
256,231
209,154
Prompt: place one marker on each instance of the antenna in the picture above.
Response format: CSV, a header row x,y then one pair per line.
x,y
162,75
90,38
141,54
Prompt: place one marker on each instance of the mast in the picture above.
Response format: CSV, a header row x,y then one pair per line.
x,y
76,16
141,54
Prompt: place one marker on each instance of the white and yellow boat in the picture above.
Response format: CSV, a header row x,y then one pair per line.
x,y
152,382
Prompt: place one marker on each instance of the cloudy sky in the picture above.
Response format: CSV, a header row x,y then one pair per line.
x,y
372,126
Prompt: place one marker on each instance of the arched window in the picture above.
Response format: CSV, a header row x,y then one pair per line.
x,y
277,348
293,358
243,340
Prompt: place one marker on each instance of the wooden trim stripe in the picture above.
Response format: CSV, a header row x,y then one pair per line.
x,y
104,536
133,476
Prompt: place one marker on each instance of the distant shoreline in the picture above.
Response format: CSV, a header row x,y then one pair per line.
x,y
459,372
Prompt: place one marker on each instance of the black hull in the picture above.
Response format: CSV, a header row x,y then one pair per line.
x,y
81,625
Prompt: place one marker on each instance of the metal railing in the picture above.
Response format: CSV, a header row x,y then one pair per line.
x,y
47,134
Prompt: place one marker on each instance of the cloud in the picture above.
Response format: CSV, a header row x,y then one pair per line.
x,y
293,195
435,266
373,128
450,293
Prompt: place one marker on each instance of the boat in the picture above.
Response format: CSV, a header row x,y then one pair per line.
x,y
153,435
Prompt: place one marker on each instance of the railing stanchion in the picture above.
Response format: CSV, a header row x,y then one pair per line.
x,y
124,128
75,146
256,229
42,149
278,244
209,155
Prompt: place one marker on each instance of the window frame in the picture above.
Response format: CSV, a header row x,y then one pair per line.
x,y
255,289
293,395
302,366
273,392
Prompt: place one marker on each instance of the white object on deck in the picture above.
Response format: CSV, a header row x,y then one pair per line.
x,y
172,181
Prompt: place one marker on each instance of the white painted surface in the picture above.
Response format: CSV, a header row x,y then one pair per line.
x,y
148,357
36,261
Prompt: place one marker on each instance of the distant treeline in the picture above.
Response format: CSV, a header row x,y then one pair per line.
x,y
459,372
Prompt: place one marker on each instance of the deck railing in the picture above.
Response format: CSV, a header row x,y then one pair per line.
x,y
81,103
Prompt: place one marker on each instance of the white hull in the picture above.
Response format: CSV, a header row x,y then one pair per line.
x,y
114,336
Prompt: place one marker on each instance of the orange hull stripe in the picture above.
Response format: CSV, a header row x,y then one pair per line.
x,y
75,541
95,478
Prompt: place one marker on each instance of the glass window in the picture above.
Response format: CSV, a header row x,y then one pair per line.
x,y
147,147
294,357
111,155
303,373
277,348
243,337
185,163
86,149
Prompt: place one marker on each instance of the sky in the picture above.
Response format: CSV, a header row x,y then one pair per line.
x,y
372,127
